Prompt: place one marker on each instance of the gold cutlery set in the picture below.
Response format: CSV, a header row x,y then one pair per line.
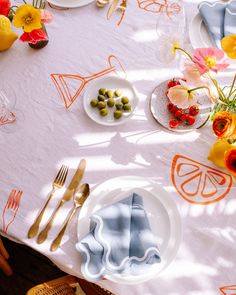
x,y
79,193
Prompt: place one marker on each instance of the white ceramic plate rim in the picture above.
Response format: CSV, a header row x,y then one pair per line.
x,y
76,3
166,201
123,119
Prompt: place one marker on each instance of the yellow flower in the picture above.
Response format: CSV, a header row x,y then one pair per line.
x,y
218,150
28,18
228,44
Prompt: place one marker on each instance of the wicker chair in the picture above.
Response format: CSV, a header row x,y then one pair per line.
x,y
68,285
4,266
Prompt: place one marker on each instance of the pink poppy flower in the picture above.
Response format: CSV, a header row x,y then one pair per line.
x,y
46,16
209,59
5,7
180,96
34,36
192,75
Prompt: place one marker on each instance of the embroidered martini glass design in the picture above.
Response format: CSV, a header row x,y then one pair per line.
x,y
157,6
69,90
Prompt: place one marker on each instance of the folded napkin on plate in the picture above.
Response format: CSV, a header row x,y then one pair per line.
x,y
120,241
230,19
213,15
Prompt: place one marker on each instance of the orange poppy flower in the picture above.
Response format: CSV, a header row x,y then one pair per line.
x,y
224,125
230,161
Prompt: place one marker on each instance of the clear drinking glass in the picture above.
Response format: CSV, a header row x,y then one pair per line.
x,y
7,104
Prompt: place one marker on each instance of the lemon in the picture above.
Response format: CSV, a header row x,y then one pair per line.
x,y
7,37
5,24
218,150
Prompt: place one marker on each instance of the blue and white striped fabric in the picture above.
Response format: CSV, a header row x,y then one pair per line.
x,y
120,241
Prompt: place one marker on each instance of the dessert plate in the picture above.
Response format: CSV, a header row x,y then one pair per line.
x,y
70,3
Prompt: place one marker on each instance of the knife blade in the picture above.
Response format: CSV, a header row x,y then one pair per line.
x,y
75,181
112,8
66,197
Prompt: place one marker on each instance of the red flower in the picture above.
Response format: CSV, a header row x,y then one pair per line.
x,y
5,7
34,36
230,161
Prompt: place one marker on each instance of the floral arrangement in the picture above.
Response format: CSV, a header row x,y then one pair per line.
x,y
197,75
223,151
228,45
29,17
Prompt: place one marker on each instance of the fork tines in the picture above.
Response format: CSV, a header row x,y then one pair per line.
x,y
61,175
14,199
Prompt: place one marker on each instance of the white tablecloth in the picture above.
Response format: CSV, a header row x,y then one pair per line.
x,y
47,135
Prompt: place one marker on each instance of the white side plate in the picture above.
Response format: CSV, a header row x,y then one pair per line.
x,y
70,3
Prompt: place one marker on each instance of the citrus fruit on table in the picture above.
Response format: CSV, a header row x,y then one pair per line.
x,y
198,183
7,37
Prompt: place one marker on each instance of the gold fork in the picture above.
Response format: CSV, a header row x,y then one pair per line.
x,y
58,183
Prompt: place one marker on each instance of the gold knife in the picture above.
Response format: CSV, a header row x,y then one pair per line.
x,y
112,8
66,197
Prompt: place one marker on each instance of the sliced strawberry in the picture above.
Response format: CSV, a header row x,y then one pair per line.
x,y
174,109
182,118
170,106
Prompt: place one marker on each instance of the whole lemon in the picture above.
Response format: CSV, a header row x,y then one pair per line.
x,y
7,37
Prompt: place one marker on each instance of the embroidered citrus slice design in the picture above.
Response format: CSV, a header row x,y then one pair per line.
x,y
198,183
228,290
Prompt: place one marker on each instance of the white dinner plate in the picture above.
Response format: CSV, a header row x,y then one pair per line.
x,y
70,3
200,37
109,82
162,213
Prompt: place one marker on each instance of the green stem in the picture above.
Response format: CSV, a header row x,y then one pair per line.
x,y
181,49
232,86
200,87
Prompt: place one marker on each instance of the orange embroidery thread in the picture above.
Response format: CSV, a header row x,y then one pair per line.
x,y
155,6
198,183
228,288
60,81
10,209
7,119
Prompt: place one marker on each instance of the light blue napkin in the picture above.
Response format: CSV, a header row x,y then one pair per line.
x,y
213,15
120,241
230,19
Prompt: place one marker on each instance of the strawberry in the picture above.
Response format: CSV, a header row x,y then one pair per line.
x,y
173,83
170,106
182,118
174,109
178,114
166,93
173,123
194,110
190,119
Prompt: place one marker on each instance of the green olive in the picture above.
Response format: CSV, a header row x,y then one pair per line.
x,y
119,106
124,100
102,91
103,112
101,105
117,114
94,103
118,93
127,107
111,102
101,97
109,93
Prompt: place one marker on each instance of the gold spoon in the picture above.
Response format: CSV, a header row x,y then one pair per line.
x,y
79,198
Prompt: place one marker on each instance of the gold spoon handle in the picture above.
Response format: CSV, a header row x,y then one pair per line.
x,y
35,226
44,233
56,243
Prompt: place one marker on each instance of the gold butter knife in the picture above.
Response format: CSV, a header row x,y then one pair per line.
x,y
66,197
112,8
79,198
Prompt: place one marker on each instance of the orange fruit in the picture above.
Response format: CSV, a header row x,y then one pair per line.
x,y
198,183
